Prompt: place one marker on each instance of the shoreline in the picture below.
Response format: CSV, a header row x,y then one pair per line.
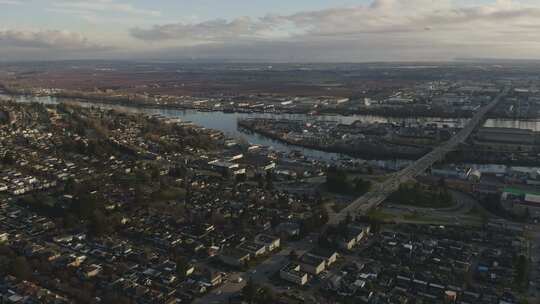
x,y
377,155
140,103
366,154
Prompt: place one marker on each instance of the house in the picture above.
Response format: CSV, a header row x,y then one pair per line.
x,y
348,243
253,248
293,273
522,201
92,271
4,237
330,256
359,231
290,229
452,172
270,242
170,268
312,264
50,255
355,234
190,270
212,278
76,261
333,282
234,257
227,167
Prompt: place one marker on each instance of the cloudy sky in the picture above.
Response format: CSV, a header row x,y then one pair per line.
x,y
262,30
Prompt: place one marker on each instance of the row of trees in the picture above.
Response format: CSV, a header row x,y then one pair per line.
x,y
337,181
492,203
254,293
313,223
422,196
84,208
11,263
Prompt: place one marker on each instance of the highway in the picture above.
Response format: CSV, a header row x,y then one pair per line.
x,y
381,191
372,199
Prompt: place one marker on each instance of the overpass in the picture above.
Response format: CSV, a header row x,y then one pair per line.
x,y
381,191
363,204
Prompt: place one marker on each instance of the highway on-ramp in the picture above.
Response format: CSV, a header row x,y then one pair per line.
x,y
368,201
380,192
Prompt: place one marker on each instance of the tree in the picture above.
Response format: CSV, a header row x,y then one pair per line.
x,y
99,225
240,178
182,267
442,182
21,269
520,264
269,180
265,296
70,221
275,221
5,264
527,214
348,219
361,186
112,298
249,292
139,198
337,181
293,256
8,159
70,186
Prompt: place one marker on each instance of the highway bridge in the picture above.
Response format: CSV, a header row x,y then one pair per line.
x,y
381,191
363,204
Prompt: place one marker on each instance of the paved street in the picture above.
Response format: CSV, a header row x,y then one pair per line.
x,y
534,275
374,198
259,274
381,191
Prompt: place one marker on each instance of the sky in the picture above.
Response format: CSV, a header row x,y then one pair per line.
x,y
270,31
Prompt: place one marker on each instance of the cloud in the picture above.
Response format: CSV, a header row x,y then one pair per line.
x,y
378,30
102,6
50,39
382,29
213,30
10,2
380,17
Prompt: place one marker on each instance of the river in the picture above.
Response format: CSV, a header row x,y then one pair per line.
x,y
227,122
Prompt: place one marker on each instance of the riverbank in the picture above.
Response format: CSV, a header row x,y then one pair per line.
x,y
228,123
369,151
138,100
379,151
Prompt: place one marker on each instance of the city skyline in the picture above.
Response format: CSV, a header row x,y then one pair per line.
x,y
315,31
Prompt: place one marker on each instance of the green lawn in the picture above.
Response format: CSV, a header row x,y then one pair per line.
x,y
422,196
380,215
170,193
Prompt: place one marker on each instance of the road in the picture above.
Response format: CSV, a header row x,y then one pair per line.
x,y
463,204
372,199
381,191
534,274
259,274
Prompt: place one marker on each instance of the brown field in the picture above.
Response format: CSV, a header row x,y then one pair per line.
x,y
199,81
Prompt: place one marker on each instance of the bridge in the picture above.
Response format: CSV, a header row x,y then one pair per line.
x,y
363,204
381,191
